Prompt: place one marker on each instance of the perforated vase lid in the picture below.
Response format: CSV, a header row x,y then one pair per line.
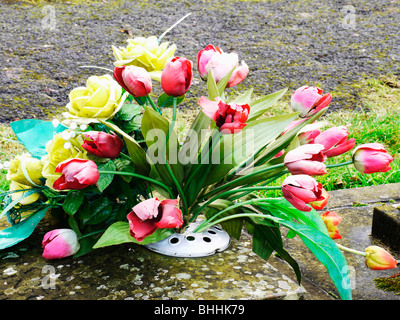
x,y
190,244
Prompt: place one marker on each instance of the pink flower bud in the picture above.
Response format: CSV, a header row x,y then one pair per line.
x,y
152,214
229,118
60,243
220,63
378,258
335,141
135,80
102,144
309,100
302,189
331,220
371,158
76,174
306,159
177,76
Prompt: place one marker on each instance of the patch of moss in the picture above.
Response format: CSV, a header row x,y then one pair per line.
x,y
391,283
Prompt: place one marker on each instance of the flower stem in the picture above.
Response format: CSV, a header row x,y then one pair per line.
x,y
228,184
227,193
139,176
206,223
339,164
173,26
150,100
178,186
361,253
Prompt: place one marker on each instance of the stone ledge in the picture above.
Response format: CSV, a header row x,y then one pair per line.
x,y
131,271
386,226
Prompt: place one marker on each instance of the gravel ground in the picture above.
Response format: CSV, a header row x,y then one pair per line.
x,y
285,43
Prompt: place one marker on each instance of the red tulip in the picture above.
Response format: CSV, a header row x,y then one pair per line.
x,y
220,63
229,118
76,174
306,159
102,144
371,158
331,220
60,243
335,141
135,80
177,76
378,258
309,100
152,214
302,189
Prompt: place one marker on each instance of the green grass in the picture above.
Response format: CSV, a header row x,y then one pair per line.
x,y
379,121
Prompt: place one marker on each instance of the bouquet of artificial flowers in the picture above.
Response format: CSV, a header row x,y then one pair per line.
x,y
114,170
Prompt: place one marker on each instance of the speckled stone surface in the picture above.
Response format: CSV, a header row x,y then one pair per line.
x,y
134,272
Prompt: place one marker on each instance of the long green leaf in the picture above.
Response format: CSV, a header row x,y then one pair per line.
x,y
325,250
155,129
237,147
22,230
259,106
118,233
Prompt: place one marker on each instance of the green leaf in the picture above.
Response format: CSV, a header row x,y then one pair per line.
x,y
244,98
20,231
284,140
105,178
259,106
267,239
73,201
34,134
213,91
325,250
165,100
232,226
128,112
236,148
100,210
118,233
155,129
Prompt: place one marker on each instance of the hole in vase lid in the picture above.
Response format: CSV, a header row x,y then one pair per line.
x,y
206,239
211,232
174,240
190,238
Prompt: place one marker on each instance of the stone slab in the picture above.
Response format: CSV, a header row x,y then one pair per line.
x,y
356,207
131,271
386,226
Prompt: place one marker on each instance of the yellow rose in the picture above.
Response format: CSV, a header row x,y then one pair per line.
x,y
62,147
145,53
14,186
25,170
101,98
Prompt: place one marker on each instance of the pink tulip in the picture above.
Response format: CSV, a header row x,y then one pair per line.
x,y
306,159
335,141
177,76
152,214
301,190
371,158
320,204
60,243
378,258
309,100
203,57
102,144
331,220
221,63
229,118
76,174
135,80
